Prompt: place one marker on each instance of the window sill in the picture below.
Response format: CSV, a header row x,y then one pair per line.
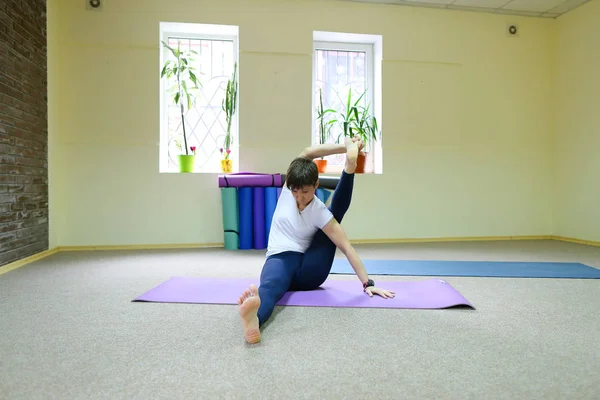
x,y
337,170
202,171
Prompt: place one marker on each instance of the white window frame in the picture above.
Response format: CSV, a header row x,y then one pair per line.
x,y
202,32
372,46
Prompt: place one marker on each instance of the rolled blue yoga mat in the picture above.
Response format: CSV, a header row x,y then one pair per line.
x,y
270,204
231,226
323,195
245,197
320,195
278,193
499,269
259,223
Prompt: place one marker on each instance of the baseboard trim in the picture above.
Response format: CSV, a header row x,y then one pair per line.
x,y
20,263
450,239
27,260
357,241
141,247
578,241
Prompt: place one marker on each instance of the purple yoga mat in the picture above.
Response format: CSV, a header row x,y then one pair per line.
x,y
422,294
246,179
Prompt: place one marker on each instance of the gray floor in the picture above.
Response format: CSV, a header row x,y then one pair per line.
x,y
68,330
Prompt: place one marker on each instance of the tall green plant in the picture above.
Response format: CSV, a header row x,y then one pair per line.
x,y
365,124
229,106
181,68
358,120
324,127
348,116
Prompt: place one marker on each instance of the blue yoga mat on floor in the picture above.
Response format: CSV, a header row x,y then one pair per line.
x,y
503,269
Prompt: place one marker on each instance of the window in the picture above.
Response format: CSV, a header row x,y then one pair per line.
x,y
216,48
346,64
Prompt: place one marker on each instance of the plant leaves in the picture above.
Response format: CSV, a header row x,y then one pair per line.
x,y
165,68
189,100
170,48
193,78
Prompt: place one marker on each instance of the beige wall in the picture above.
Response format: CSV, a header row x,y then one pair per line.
x,y
466,119
577,139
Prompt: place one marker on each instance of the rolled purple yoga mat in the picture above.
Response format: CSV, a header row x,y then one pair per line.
x,y
250,179
421,294
259,231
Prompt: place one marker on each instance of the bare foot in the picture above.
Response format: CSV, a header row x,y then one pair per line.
x,y
249,303
351,155
359,142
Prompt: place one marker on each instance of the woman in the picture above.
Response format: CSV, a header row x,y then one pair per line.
x,y
304,236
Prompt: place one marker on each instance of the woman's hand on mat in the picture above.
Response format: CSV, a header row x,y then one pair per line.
x,y
386,294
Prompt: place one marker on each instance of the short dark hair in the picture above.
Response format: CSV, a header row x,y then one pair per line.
x,y
302,172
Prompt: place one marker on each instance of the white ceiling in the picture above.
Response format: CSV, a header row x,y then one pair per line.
x,y
531,8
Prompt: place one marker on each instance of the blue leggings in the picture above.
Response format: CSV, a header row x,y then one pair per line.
x,y
294,271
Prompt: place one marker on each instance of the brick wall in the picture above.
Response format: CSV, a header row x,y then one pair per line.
x,y
23,130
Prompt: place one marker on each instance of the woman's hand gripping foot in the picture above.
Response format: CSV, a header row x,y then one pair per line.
x,y
249,303
359,142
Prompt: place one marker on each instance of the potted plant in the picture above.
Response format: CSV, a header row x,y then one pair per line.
x,y
324,129
181,71
357,120
229,106
364,125
348,117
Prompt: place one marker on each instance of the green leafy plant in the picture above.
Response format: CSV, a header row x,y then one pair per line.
x,y
348,117
365,125
229,106
324,126
358,120
182,73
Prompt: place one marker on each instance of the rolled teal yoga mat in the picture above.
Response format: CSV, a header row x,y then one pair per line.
x,y
270,204
232,240
231,226
245,197
498,269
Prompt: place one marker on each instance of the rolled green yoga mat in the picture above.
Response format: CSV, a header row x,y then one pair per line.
x,y
231,225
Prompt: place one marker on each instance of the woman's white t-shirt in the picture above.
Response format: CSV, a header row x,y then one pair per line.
x,y
292,229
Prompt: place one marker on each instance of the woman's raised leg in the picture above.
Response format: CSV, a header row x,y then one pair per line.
x,y
318,258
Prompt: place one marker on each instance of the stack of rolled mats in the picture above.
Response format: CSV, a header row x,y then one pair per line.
x,y
248,202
